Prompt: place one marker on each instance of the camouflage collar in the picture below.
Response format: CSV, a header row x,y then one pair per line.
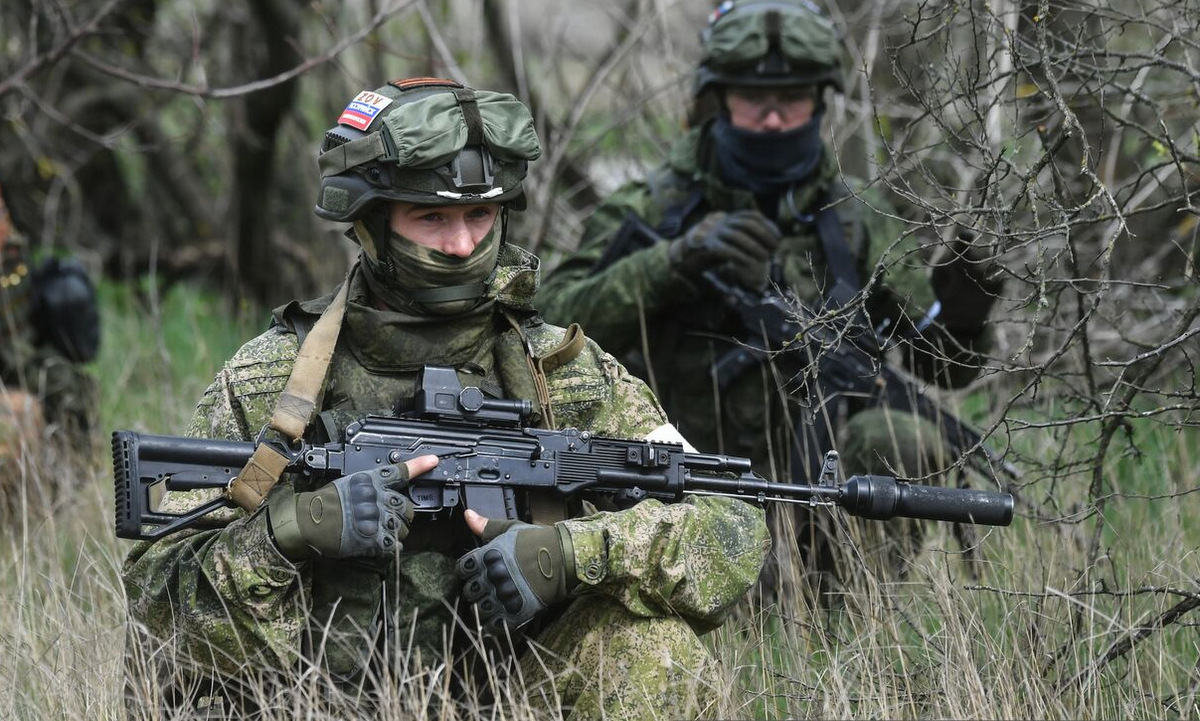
x,y
515,280
513,285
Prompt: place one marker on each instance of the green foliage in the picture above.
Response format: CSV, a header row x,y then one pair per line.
x,y
159,353
1024,632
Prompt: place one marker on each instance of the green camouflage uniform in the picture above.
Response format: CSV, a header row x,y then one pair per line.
x,y
641,311
652,576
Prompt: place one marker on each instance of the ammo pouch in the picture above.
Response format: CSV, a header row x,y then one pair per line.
x,y
66,314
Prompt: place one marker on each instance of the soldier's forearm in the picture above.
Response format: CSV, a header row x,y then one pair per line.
x,y
224,593
610,305
694,559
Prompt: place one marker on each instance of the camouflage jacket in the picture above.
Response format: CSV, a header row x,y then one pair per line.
x,y
229,587
637,308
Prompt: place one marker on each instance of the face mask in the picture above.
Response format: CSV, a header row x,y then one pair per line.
x,y
766,162
437,283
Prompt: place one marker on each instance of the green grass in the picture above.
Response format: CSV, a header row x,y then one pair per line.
x,y
1026,637
158,355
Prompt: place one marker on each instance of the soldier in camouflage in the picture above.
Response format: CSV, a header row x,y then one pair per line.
x,y
752,195
612,601
41,379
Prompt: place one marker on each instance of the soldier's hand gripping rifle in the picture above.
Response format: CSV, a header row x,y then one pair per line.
x,y
839,358
835,358
487,456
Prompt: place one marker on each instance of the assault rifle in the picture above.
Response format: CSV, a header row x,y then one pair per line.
x,y
840,358
488,454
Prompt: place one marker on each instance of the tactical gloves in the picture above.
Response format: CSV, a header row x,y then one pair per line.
x,y
363,515
967,284
521,571
738,246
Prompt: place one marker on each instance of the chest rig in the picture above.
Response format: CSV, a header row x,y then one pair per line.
x,y
300,403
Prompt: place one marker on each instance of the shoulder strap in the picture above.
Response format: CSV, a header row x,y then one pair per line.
x,y
295,408
542,365
676,215
634,234
842,266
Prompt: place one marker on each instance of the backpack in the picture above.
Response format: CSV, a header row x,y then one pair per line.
x,y
66,313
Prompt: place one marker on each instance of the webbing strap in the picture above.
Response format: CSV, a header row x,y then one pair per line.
x,y
675,216
541,365
366,239
447,293
838,258
351,154
471,116
295,408
546,509
258,477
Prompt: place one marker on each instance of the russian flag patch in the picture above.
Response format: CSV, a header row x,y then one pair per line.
x,y
363,109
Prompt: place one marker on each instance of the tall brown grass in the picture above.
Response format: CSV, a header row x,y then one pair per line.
x,y
1027,630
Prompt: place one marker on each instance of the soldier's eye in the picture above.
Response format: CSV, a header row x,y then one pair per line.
x,y
480,214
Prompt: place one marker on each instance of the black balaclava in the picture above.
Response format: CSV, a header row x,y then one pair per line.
x,y
768,163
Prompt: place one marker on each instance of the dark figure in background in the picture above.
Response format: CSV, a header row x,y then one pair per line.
x,y
752,198
49,327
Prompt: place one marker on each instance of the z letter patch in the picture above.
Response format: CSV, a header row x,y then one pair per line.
x,y
363,109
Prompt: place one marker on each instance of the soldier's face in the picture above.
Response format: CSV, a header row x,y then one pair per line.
x,y
770,110
450,229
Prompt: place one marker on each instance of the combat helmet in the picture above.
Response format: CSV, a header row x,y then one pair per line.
x,y
768,43
425,140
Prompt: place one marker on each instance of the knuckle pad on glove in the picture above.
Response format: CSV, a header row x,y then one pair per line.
x,y
746,246
496,568
366,525
475,590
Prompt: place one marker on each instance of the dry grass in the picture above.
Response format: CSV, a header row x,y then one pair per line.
x,y
1036,632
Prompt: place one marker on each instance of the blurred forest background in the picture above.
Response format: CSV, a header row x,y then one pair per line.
x,y
175,141
179,138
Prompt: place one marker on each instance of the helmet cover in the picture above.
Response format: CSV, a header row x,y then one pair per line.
x,y
428,141
769,43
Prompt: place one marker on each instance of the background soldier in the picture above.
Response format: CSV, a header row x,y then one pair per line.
x,y
427,172
49,325
752,197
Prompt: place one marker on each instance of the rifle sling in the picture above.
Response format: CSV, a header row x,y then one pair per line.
x,y
541,365
295,408
838,258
